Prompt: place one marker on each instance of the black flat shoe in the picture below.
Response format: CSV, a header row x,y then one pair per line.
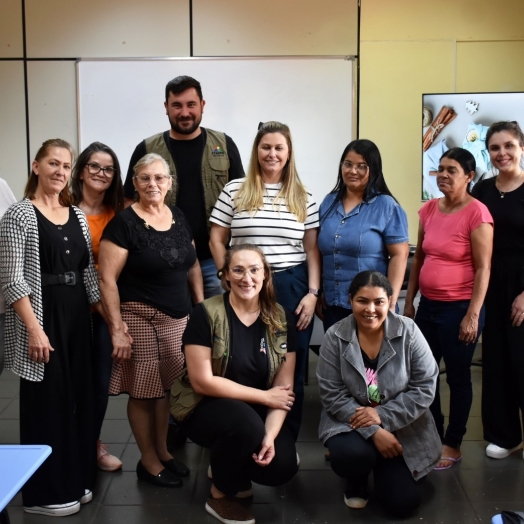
x,y
176,467
164,479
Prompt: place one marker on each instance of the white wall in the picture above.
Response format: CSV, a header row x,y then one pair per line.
x,y
70,29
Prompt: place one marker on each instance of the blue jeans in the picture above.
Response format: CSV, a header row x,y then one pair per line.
x,y
291,286
440,324
103,364
212,284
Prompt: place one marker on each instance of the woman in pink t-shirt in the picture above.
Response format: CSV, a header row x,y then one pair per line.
x,y
451,267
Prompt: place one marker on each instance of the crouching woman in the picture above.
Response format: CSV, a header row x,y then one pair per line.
x,y
377,379
238,385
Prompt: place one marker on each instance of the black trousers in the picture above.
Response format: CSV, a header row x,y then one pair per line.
x,y
233,431
503,356
354,458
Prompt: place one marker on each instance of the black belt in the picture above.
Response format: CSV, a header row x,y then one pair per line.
x,y
68,279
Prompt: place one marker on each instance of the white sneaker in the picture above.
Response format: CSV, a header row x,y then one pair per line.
x,y
88,497
496,452
55,510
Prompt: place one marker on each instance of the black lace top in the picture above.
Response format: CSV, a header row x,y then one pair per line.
x,y
157,265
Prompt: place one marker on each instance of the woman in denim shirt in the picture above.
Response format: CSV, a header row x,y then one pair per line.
x,y
362,227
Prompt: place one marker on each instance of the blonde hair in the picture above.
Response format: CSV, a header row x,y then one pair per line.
x,y
266,299
292,194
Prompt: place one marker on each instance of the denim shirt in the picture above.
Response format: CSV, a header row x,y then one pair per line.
x,y
357,241
407,376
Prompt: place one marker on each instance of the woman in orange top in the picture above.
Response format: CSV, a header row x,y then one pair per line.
x,y
97,190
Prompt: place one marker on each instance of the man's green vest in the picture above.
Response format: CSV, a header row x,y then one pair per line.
x,y
183,399
215,165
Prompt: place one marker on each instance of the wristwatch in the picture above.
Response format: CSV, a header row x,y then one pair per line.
x,y
313,291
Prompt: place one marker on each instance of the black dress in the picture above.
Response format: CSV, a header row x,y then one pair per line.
x,y
502,343
59,411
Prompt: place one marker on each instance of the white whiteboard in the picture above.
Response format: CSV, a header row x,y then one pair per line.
x,y
121,102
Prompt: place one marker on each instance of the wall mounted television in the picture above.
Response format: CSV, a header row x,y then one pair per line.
x,y
462,120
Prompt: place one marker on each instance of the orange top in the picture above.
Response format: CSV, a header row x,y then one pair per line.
x,y
97,224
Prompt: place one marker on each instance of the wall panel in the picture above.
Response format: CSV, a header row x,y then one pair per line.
x,y
98,28
391,109
506,76
442,20
275,28
52,102
13,150
11,39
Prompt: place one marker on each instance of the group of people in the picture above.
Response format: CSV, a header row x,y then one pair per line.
x,y
193,288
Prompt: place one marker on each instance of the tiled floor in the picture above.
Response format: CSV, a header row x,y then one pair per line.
x,y
470,492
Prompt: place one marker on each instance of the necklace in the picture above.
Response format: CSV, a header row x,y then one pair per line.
x,y
513,186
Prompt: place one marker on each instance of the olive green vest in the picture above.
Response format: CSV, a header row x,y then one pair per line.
x,y
215,165
183,399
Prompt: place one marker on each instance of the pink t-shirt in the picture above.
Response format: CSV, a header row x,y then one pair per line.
x,y
448,270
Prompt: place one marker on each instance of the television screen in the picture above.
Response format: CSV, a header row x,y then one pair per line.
x,y
462,120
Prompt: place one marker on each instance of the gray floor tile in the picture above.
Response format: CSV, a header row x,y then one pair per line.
x,y
115,431
9,432
9,389
501,486
11,411
4,402
178,514
116,408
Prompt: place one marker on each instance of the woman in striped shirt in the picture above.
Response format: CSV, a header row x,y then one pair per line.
x,y
272,209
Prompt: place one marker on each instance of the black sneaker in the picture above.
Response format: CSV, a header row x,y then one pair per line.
x,y
356,496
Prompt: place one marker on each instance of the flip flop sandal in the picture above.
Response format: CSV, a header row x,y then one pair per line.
x,y
452,460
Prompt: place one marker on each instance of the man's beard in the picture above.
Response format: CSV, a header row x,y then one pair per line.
x,y
185,130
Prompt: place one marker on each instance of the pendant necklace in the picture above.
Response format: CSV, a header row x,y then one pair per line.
x,y
503,193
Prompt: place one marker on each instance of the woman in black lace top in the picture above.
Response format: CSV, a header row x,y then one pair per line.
x,y
149,274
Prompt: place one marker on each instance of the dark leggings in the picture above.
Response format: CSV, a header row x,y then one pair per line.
x,y
233,431
353,458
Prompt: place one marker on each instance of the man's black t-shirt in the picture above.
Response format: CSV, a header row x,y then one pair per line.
x,y
187,156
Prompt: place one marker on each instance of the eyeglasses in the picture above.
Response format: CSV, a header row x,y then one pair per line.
x,y
361,169
94,169
239,272
144,180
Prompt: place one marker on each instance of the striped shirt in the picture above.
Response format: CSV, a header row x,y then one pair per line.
x,y
274,229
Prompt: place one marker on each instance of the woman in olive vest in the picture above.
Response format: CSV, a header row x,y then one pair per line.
x,y
238,386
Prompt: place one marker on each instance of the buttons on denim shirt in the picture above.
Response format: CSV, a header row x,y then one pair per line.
x,y
336,282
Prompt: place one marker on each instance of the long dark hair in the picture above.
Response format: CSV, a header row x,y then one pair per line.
x,y
267,299
114,194
376,184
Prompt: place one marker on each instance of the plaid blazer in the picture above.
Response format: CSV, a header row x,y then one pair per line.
x,y
20,276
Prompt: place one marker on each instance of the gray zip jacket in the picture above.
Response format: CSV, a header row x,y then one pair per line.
x,y
407,375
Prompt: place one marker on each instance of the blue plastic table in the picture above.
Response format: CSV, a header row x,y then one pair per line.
x,y
17,464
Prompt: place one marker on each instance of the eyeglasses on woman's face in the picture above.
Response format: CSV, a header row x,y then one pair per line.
x,y
238,272
144,180
93,169
361,169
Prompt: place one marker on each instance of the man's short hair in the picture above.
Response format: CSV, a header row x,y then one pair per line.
x,y
181,83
